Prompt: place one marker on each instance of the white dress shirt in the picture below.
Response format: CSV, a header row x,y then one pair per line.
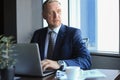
x,y
56,30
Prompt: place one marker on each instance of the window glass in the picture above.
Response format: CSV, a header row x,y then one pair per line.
x,y
99,22
108,25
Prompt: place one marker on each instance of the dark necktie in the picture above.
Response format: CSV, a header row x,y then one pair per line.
x,y
50,44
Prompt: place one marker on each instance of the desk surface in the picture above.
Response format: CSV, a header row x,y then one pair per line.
x,y
111,75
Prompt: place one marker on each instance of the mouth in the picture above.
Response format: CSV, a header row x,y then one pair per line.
x,y
56,20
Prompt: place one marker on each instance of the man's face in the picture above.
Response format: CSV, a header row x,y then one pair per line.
x,y
52,14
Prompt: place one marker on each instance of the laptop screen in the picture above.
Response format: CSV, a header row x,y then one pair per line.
x,y
28,60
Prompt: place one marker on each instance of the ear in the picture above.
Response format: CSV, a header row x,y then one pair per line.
x,y
44,15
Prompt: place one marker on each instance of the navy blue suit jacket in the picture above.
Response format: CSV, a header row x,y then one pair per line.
x,y
69,46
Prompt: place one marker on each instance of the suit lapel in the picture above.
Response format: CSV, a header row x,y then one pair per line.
x,y
59,41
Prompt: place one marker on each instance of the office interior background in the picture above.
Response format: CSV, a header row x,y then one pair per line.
x,y
97,19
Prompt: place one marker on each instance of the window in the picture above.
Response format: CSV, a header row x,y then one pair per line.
x,y
99,21
108,25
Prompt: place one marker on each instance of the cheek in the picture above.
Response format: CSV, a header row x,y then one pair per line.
x,y
60,17
50,17
49,20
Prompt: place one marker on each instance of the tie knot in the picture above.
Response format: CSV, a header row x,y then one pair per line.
x,y
51,32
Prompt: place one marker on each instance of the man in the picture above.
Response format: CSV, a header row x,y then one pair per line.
x,y
69,49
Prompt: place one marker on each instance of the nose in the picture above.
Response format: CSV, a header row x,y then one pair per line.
x,y
56,14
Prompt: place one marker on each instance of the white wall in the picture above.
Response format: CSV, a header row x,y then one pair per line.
x,y
28,19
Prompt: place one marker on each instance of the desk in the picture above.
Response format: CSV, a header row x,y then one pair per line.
x,y
111,75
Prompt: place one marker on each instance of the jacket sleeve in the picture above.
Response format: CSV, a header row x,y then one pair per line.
x,y
82,56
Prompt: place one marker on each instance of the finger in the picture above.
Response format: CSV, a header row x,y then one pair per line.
x,y
44,62
46,66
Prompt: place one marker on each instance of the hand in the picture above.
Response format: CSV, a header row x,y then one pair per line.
x,y
49,64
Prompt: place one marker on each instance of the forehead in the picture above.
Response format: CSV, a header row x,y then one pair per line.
x,y
52,5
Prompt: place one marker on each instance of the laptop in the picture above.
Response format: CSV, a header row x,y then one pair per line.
x,y
28,60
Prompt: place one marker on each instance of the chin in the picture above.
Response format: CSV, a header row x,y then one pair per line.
x,y
56,25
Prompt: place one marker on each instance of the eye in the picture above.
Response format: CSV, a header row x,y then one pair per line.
x,y
50,13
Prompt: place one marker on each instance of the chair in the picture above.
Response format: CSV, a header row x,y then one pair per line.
x,y
86,41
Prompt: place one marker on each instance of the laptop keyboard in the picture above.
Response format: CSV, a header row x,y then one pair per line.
x,y
47,71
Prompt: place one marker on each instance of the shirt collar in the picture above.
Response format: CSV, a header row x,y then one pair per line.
x,y
56,30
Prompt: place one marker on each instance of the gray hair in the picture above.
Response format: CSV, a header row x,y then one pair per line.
x,y
49,1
